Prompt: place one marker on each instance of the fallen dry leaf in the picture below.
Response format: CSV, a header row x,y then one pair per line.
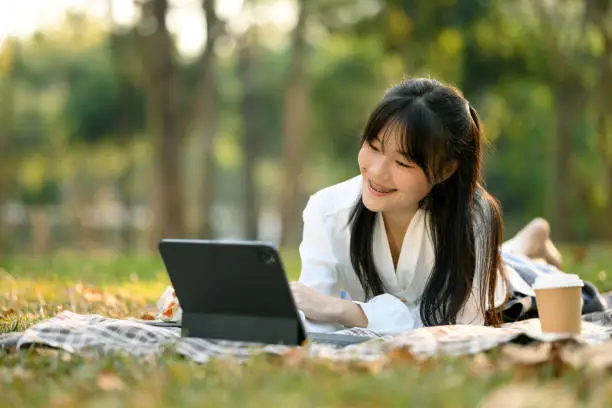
x,y
480,365
294,358
597,357
526,361
336,366
47,352
78,303
375,366
146,316
530,396
51,352
22,373
402,355
8,312
110,382
114,306
92,295
527,355
61,400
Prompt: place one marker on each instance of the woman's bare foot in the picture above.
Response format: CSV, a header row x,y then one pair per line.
x,y
534,242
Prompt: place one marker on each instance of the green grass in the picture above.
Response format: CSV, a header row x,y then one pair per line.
x,y
38,288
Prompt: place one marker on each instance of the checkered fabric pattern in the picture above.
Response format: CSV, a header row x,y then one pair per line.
x,y
97,335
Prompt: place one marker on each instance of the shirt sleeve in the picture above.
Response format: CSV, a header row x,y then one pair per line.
x,y
319,261
387,314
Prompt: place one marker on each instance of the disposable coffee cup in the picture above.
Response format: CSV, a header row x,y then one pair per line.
x,y
559,301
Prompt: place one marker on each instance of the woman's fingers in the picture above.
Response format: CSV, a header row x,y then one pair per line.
x,y
296,290
302,297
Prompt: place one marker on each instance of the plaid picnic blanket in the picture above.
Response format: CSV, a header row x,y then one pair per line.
x,y
98,335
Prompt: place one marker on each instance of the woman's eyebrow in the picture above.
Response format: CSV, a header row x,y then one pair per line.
x,y
404,154
377,139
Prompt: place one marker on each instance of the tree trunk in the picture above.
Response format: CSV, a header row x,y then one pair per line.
x,y
4,180
162,121
604,143
41,232
247,73
7,102
208,99
123,65
571,98
294,130
565,115
125,189
209,170
604,123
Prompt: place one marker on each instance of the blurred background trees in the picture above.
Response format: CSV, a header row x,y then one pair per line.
x,y
113,136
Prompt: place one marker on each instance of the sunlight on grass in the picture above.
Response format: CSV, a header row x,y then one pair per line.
x,y
121,286
38,288
35,289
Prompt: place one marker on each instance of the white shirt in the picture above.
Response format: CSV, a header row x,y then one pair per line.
x,y
327,268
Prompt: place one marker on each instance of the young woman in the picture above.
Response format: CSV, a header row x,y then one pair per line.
x,y
414,239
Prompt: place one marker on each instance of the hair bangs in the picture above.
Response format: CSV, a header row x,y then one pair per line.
x,y
421,138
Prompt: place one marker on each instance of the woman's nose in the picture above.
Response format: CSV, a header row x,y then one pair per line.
x,y
380,168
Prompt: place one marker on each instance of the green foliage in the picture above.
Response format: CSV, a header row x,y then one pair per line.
x,y
102,104
348,80
81,85
48,192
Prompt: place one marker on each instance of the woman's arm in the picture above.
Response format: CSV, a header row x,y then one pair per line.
x,y
319,271
328,309
315,293
383,313
318,258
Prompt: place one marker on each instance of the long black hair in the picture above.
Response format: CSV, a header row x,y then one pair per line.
x,y
438,126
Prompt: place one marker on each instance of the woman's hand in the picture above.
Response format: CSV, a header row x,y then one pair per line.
x,y
327,309
316,306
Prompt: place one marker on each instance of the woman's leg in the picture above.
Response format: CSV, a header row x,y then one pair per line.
x,y
533,241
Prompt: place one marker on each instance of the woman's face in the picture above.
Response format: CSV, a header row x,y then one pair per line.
x,y
392,184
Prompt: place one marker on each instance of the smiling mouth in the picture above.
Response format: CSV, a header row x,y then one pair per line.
x,y
380,189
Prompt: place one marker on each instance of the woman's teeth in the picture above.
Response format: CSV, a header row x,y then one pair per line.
x,y
379,189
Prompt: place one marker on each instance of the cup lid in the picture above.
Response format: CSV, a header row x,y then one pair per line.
x,y
557,280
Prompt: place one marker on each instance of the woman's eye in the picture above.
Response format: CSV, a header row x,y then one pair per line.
x,y
376,149
406,165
